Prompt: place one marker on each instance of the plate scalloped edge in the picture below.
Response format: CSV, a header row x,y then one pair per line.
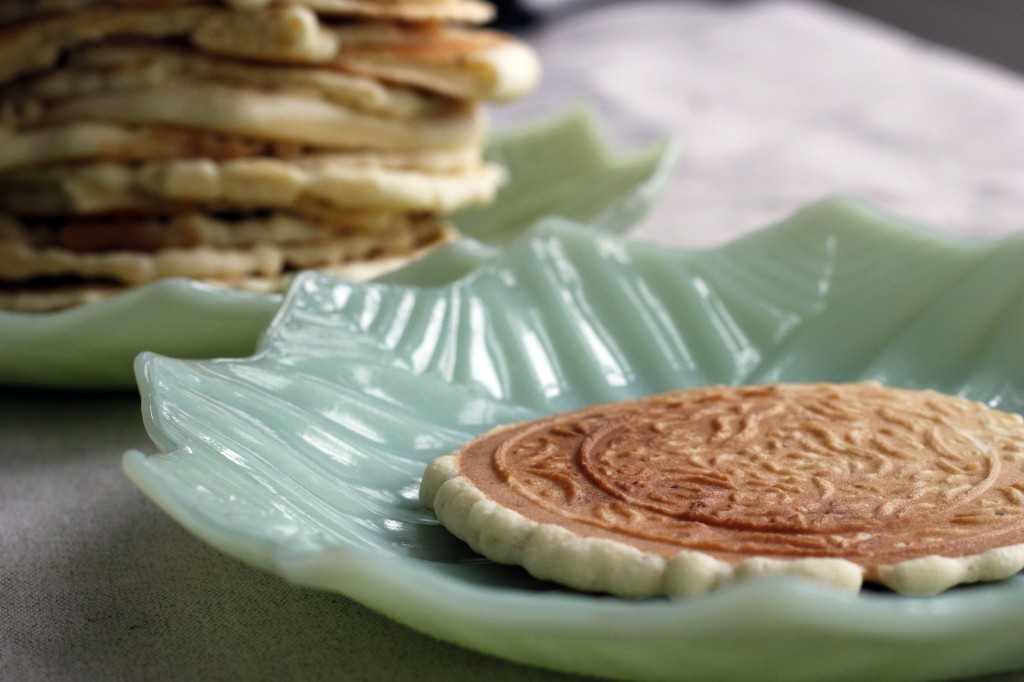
x,y
304,459
93,346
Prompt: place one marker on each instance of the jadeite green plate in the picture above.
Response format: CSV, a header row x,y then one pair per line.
x,y
305,459
557,166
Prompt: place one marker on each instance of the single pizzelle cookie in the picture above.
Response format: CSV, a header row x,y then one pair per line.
x,y
681,492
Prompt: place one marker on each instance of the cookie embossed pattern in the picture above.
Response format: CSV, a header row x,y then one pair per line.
x,y
682,492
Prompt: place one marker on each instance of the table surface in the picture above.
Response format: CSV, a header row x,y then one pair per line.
x,y
776,103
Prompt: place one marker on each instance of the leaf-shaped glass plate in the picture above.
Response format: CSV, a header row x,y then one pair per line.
x,y
305,459
557,166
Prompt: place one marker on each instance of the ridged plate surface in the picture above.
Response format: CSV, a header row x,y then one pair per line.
x,y
305,459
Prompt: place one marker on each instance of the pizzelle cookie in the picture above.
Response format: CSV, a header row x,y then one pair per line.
x,y
682,492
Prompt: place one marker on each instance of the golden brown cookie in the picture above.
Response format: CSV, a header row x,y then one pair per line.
x,y
681,492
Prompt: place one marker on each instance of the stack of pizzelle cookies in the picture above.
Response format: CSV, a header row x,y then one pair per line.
x,y
237,141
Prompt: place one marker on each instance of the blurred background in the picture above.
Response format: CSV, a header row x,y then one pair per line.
x,y
990,29
914,106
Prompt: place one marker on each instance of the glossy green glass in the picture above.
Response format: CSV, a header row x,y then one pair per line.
x,y
305,459
93,346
